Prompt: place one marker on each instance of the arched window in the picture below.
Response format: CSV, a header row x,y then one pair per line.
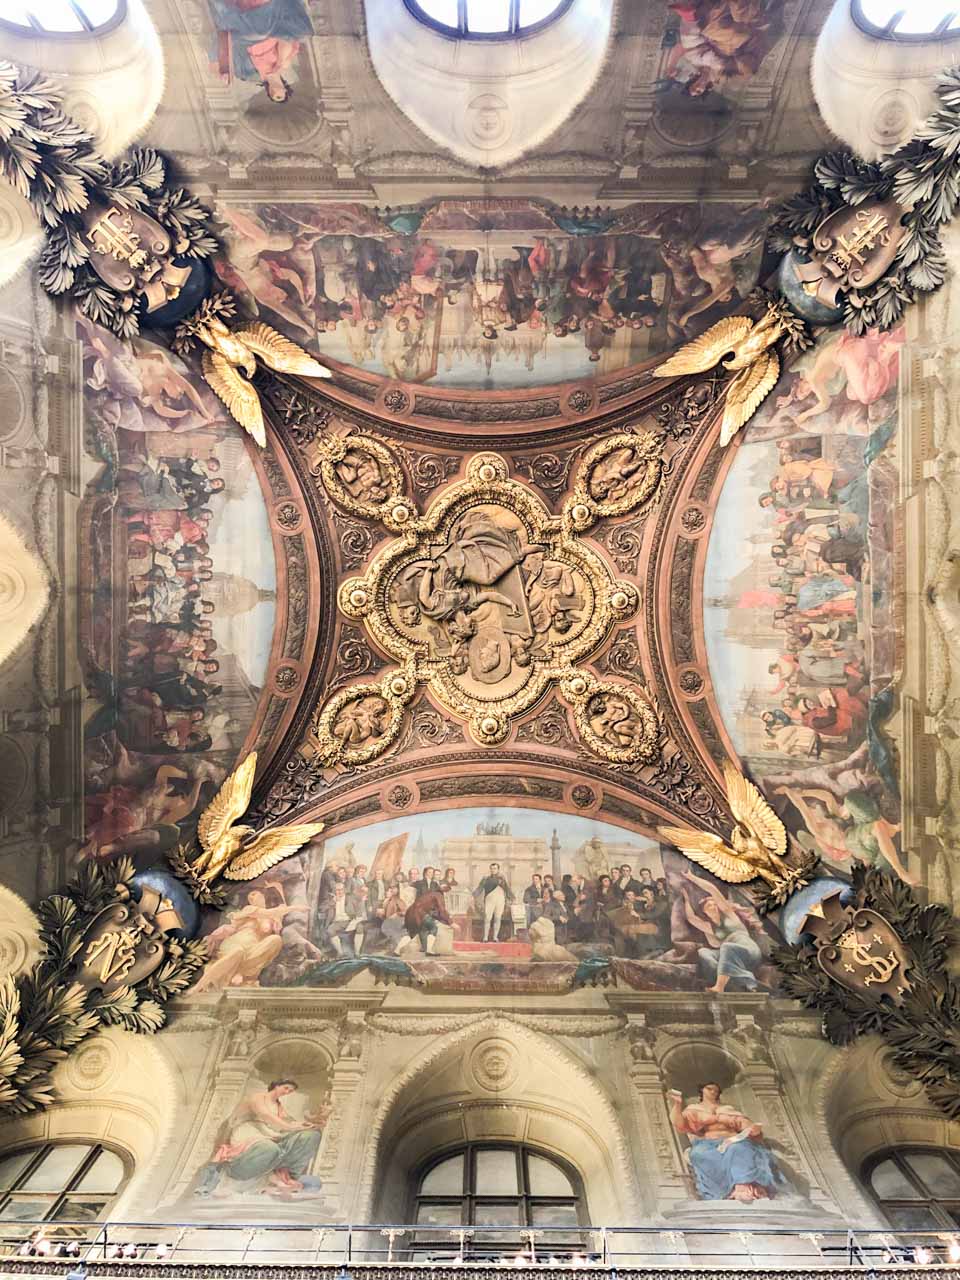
x,y
504,1185
62,17
59,1182
907,19
918,1188
487,19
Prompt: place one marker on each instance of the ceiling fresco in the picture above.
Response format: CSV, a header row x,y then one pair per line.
x,y
500,615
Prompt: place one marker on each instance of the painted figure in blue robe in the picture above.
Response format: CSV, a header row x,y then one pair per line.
x,y
264,1148
259,41
727,1152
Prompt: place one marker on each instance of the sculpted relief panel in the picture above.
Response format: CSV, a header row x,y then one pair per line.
x,y
487,598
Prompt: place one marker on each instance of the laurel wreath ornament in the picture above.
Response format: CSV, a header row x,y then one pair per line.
x,y
54,164
923,176
923,1031
45,1012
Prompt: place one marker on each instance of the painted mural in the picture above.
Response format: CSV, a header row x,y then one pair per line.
x,y
710,46
490,897
804,591
499,292
179,607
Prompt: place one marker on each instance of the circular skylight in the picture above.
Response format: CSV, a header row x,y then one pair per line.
x,y
62,17
908,19
486,19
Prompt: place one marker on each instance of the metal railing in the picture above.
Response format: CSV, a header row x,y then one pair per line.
x,y
73,1246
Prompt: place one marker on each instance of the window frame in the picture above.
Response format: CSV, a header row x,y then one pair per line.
x,y
890,32
35,28
59,1198
462,30
524,1199
935,1206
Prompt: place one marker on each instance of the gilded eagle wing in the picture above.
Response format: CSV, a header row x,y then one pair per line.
x,y
710,852
704,352
749,807
747,392
228,805
280,353
236,393
269,848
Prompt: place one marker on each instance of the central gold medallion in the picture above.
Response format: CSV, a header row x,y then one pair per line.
x,y
487,598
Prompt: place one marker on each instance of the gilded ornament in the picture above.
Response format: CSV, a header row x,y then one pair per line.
x,y
486,598
617,475
757,847
618,722
747,346
229,353
230,849
362,476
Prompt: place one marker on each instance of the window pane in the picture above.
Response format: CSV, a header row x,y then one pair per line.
x,y
532,11
98,11
936,1173
444,11
905,1217
105,1174
547,1178
879,12
14,11
56,15
495,1215
554,1215
79,1209
12,1166
440,1215
26,1209
890,1184
488,15
57,1168
496,1173
444,1179
922,16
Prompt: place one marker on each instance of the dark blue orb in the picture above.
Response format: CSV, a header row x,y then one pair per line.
x,y
192,292
809,309
800,903
168,886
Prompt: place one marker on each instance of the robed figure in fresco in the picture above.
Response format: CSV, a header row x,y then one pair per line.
x,y
260,40
265,1148
727,1152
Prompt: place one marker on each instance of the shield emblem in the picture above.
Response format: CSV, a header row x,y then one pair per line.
x,y
126,942
490,655
125,245
852,249
859,949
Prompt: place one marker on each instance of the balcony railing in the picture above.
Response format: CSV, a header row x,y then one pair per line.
x,y
369,1251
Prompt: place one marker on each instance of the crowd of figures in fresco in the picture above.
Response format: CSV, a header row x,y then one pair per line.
x,y
813,589
163,661
458,289
505,904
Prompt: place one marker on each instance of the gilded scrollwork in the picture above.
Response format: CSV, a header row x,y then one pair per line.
x,y
617,475
616,721
361,721
486,598
363,477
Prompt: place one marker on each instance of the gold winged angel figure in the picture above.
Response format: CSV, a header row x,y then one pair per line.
x,y
231,354
235,851
748,347
757,847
